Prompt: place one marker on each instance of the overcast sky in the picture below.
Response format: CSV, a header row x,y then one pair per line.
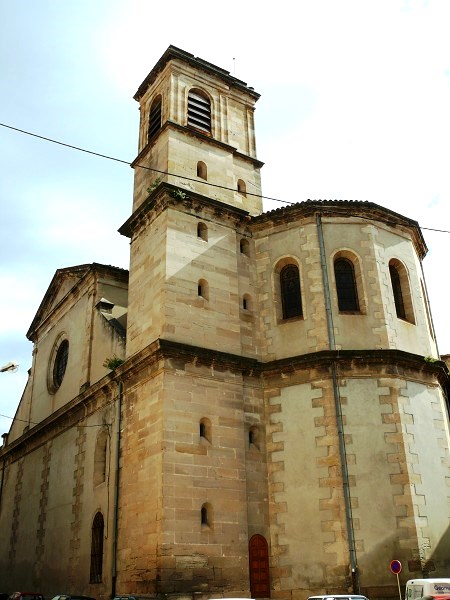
x,y
355,104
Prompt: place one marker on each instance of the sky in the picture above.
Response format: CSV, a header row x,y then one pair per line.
x,y
355,105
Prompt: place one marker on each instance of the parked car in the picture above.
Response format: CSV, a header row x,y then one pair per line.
x,y
339,597
71,597
26,596
131,597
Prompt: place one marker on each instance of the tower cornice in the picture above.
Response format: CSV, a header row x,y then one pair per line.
x,y
201,137
173,53
166,195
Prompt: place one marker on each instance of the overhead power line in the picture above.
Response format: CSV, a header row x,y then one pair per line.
x,y
125,162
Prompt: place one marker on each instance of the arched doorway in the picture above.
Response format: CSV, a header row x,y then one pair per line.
x,y
258,555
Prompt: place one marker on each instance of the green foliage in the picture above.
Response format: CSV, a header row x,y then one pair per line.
x,y
179,194
113,362
154,185
430,359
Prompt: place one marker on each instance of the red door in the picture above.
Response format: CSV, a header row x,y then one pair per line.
x,y
258,554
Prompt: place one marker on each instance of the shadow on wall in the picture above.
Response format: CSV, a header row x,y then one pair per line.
x,y
377,580
441,556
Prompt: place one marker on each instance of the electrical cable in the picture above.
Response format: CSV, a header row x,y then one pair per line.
x,y
62,426
125,162
47,139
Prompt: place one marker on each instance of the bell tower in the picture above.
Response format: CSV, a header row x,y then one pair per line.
x,y
197,132
192,335
197,186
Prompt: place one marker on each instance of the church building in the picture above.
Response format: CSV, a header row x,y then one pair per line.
x,y
257,408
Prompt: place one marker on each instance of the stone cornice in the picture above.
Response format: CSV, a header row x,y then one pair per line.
x,y
166,195
173,52
351,363
369,211
191,131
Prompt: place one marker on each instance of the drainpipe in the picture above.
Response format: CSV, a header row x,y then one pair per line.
x,y
116,493
338,409
428,314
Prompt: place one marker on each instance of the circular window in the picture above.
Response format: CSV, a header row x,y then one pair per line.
x,y
58,364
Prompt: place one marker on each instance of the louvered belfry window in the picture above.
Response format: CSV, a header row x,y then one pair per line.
x,y
154,123
199,111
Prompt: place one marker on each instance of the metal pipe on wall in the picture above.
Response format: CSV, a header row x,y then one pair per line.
x,y
116,494
338,410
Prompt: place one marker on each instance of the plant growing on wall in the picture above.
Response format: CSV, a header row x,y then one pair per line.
x,y
113,362
154,185
179,194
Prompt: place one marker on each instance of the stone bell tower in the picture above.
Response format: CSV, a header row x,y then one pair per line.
x,y
197,126
197,184
185,517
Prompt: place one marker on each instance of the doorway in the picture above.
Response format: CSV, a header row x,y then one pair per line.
x,y
258,556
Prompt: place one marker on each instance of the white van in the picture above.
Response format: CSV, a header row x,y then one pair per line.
x,y
438,589
339,597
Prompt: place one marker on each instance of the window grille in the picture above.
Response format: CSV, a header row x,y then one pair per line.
x,y
97,549
290,292
59,368
347,293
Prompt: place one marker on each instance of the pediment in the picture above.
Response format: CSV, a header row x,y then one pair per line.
x,y
62,283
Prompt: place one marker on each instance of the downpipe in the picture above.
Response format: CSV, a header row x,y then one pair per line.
x,y
116,493
338,410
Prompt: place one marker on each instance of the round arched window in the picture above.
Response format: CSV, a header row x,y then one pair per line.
x,y
60,364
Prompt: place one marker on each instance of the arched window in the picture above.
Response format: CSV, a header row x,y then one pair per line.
x,y
253,436
202,232
100,455
397,291
202,170
199,111
154,122
60,364
203,289
291,297
241,187
401,291
244,246
205,429
206,515
347,293
97,549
